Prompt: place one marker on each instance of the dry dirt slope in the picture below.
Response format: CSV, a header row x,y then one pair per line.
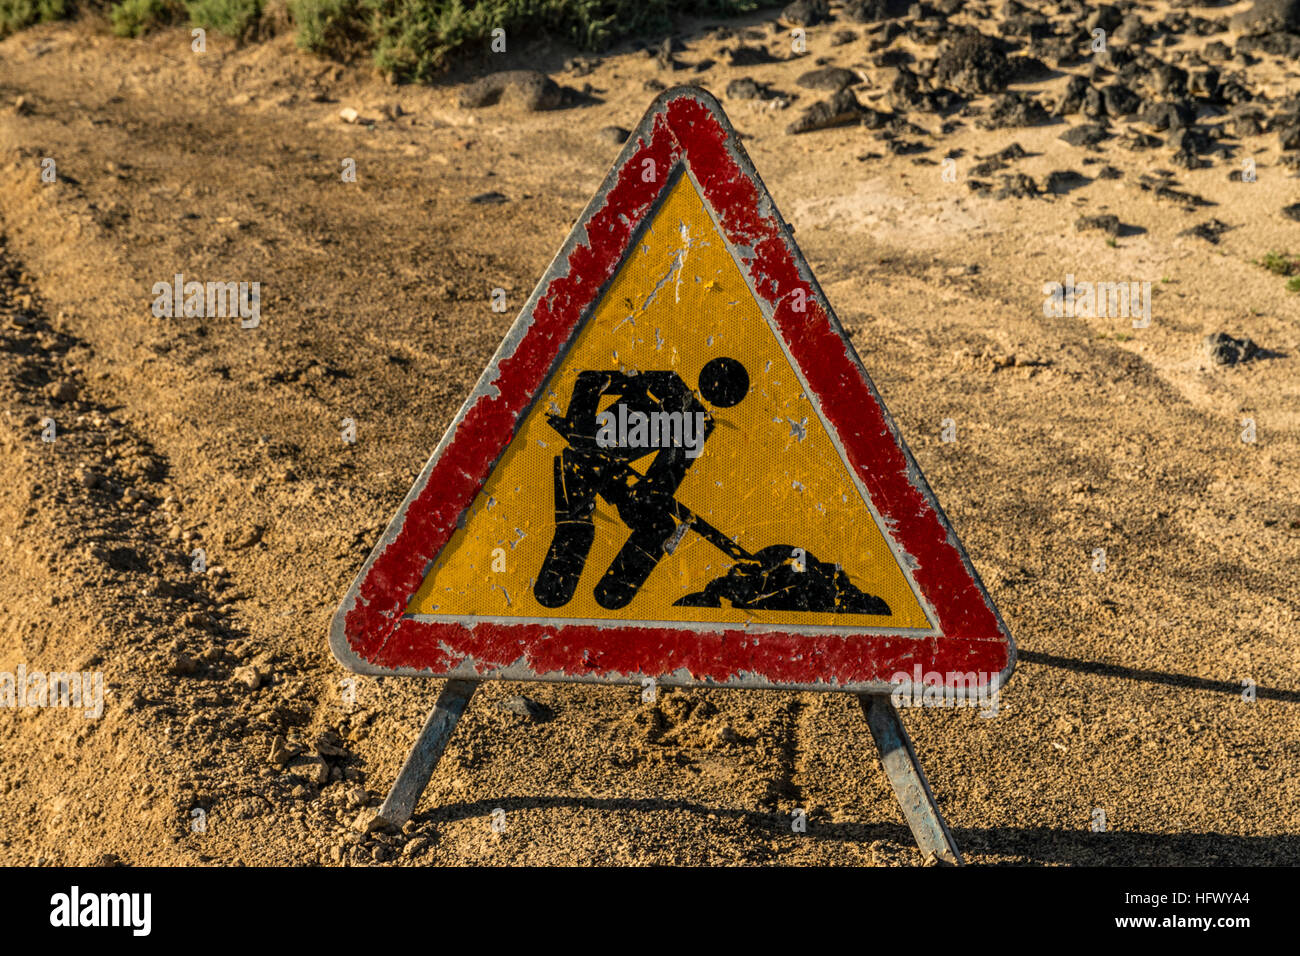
x,y
177,434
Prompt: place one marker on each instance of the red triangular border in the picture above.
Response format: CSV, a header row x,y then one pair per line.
x,y
369,633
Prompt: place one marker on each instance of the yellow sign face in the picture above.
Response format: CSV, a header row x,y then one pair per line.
x,y
673,471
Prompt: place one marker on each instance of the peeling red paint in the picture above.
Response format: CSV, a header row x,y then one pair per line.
x,y
681,125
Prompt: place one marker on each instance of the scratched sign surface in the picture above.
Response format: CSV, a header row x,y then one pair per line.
x,y
675,467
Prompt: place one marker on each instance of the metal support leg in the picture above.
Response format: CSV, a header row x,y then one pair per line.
x,y
908,780
424,756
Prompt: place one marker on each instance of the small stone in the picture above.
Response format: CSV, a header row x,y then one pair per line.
x,y
1292,212
328,743
249,676
64,391
582,65
311,769
1289,135
1119,100
247,537
839,110
534,90
356,797
182,665
1226,350
744,55
1085,134
1017,186
349,115
867,11
416,846
1209,231
369,821
525,707
615,135
488,199
281,753
832,78
1063,180
1104,223
807,13
1014,109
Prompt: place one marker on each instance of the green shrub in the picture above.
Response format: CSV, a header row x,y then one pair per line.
x,y
1280,263
331,27
408,39
234,18
415,39
17,14
133,18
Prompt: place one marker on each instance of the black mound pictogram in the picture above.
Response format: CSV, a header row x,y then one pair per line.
x,y
772,580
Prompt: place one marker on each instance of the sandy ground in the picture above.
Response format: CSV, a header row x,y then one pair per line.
x,y
182,433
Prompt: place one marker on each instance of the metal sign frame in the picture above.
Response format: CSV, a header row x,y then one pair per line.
x,y
683,133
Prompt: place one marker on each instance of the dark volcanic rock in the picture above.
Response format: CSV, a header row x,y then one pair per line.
x,y
1135,139
1104,223
743,55
1203,84
1063,180
1119,100
1209,231
534,89
1026,69
1268,16
870,11
1072,99
1167,80
1094,107
1225,350
1289,135
1292,211
833,78
1248,120
841,109
1086,134
1015,109
1105,17
744,88
974,63
522,706
807,13
1278,44
1165,116
1017,186
1190,139
1008,153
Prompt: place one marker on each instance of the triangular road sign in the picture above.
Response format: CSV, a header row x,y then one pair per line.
x,y
674,467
